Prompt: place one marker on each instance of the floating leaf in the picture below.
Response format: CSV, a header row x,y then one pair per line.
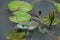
x,y
46,20
58,8
21,14
14,5
20,5
26,7
57,5
20,17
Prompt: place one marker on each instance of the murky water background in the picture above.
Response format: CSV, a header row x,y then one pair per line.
x,y
6,25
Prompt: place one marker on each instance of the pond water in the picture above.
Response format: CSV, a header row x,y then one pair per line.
x,y
6,25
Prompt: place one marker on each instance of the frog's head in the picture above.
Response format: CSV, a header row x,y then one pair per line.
x,y
22,26
28,25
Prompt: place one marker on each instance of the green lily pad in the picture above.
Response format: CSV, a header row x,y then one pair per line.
x,y
14,5
26,7
57,5
14,35
58,8
20,17
20,5
45,20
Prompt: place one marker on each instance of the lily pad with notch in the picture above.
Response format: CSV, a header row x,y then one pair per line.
x,y
20,17
20,5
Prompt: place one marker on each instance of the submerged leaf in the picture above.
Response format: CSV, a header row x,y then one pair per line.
x,y
13,35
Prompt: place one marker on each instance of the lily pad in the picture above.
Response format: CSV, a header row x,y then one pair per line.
x,y
58,8
20,5
14,5
57,5
18,20
45,20
14,35
20,17
20,14
26,7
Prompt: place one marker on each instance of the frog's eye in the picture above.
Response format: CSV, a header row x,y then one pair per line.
x,y
23,25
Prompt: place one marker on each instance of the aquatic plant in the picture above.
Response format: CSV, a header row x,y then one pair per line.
x,y
51,17
20,5
26,22
46,18
14,35
20,11
57,5
47,21
20,17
